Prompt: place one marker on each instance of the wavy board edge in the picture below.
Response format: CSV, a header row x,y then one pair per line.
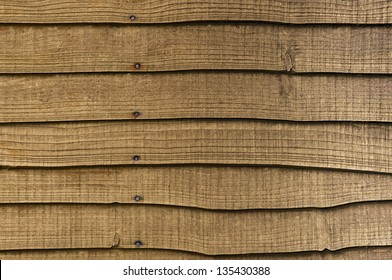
x,y
349,146
241,95
169,11
160,48
212,187
358,253
51,226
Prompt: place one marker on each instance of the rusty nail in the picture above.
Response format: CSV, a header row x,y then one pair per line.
x,y
132,17
137,65
138,243
137,197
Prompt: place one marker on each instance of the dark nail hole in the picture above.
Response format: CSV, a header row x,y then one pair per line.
x,y
136,158
136,114
137,197
138,243
132,17
137,65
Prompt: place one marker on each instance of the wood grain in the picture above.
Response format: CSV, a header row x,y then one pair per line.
x,y
158,11
68,97
360,253
238,232
226,188
354,146
108,48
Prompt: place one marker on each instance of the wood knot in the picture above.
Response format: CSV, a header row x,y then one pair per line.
x,y
289,58
115,241
288,61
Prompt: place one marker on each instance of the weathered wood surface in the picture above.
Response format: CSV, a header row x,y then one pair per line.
x,y
211,187
359,253
65,226
354,146
158,11
107,48
68,97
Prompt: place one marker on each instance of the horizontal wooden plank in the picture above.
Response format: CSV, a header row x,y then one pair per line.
x,y
158,11
195,186
51,226
354,146
361,253
37,98
106,48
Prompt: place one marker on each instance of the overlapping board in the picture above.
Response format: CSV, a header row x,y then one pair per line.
x,y
340,145
208,187
272,47
195,94
70,226
158,11
367,253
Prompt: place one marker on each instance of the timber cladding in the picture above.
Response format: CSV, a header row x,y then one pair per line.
x,y
129,127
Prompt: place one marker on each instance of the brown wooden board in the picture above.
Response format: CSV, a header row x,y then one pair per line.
x,y
70,226
68,97
354,146
360,253
158,11
108,48
209,187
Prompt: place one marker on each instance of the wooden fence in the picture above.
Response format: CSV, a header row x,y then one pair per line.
x,y
129,128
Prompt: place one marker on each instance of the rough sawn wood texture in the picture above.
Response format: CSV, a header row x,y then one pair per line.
x,y
238,232
126,120
353,146
367,253
105,48
209,187
241,95
158,11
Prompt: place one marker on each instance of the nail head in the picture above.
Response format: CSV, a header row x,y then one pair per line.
x,y
137,65
138,243
132,17
137,197
136,114
136,158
